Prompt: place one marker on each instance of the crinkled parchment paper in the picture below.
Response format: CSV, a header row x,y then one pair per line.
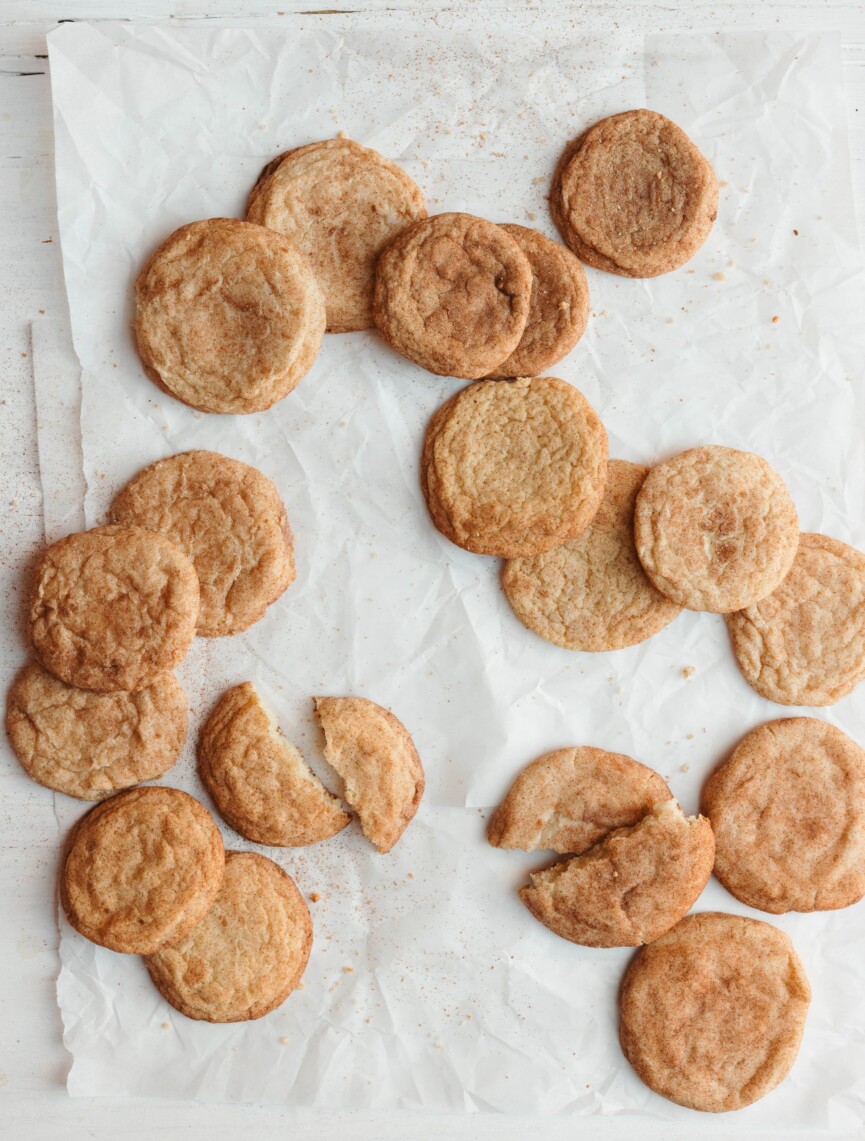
x,y
429,985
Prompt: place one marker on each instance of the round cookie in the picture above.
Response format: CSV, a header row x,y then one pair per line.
x,y
592,593
558,309
452,293
340,203
513,468
712,1013
804,644
228,316
568,800
92,744
248,953
633,195
229,519
715,529
113,608
141,869
788,810
632,886
258,779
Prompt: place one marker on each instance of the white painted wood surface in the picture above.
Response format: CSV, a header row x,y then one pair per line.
x,y
33,1063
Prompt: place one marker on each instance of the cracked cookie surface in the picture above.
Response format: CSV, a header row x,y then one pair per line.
x,y
633,195
513,468
113,608
712,1013
452,293
592,593
258,779
89,744
629,888
568,800
229,519
141,869
228,316
715,528
247,954
788,811
804,644
558,308
340,203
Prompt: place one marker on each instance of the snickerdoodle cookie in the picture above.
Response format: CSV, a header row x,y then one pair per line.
x,y
568,800
113,608
340,204
559,306
715,528
259,780
712,1013
228,316
91,744
788,810
141,869
804,644
452,293
633,195
248,953
513,468
592,593
229,519
376,758
632,886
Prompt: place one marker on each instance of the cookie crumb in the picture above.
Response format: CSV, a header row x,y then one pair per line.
x,y
688,672
284,1040
719,276
348,970
685,768
166,1025
775,320
314,897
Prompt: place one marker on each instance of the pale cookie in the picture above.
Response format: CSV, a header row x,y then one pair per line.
x,y
229,519
633,195
592,593
376,758
248,953
452,293
340,203
568,800
715,529
513,468
259,780
804,644
228,316
632,886
113,608
91,744
712,1013
141,869
558,309
788,810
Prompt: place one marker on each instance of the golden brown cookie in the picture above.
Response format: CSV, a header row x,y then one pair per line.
x,y
113,608
558,309
633,195
229,519
259,780
248,953
513,468
804,644
228,316
712,1013
788,810
715,529
340,203
452,293
376,758
632,886
568,800
141,869
91,744
592,592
